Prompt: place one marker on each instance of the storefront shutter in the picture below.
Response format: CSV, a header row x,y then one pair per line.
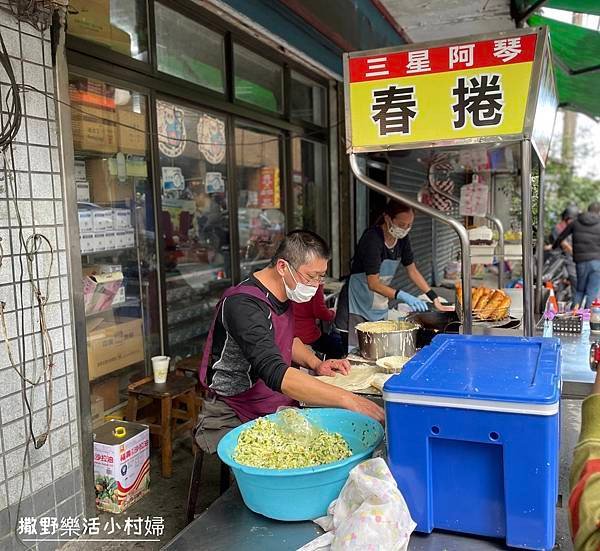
x,y
408,176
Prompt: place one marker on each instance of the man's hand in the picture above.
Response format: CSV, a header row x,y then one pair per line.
x,y
331,367
366,407
437,304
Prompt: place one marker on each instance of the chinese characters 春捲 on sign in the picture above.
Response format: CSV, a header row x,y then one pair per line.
x,y
440,93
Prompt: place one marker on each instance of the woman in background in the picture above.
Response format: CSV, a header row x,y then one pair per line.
x,y
306,326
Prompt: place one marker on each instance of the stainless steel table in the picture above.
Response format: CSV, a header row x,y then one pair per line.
x,y
228,524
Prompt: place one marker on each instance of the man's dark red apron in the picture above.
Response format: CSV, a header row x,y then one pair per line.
x,y
258,400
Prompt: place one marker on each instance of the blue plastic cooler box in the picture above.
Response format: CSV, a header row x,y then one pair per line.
x,y
473,436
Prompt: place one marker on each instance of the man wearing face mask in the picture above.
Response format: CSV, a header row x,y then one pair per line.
x,y
380,250
251,345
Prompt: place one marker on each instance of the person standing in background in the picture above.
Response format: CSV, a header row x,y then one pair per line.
x,y
585,230
379,253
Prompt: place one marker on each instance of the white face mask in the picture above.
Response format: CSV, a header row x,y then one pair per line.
x,y
396,232
302,292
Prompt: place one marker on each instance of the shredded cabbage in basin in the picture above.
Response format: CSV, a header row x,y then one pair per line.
x,y
269,445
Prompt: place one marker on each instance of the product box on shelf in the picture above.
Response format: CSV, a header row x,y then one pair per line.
x,y
121,218
113,346
132,132
109,240
121,464
80,170
103,219
86,220
105,186
107,268
129,238
120,239
86,243
100,290
94,129
99,242
120,297
82,190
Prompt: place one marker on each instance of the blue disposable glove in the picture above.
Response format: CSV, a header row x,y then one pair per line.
x,y
416,304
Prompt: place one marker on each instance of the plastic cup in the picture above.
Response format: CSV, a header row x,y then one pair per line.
x,y
160,367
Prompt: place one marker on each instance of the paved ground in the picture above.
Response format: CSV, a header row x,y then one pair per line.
x,y
167,498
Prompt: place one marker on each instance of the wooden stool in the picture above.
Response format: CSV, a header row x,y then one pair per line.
x,y
189,367
194,489
173,393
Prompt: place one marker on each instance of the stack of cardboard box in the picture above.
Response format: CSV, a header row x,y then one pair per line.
x,y
90,19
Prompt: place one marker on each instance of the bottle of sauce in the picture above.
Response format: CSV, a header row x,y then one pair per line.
x,y
595,316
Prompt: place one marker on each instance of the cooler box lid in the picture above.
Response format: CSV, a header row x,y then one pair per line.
x,y
517,374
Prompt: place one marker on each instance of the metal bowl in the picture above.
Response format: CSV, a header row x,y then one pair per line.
x,y
401,341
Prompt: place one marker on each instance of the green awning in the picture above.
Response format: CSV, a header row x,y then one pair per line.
x,y
578,6
576,55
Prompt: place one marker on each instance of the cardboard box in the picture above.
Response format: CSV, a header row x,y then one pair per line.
x,y
80,171
102,219
120,240
99,243
86,243
105,186
119,41
91,20
121,219
97,410
114,346
121,464
94,129
86,220
130,140
82,190
108,390
129,238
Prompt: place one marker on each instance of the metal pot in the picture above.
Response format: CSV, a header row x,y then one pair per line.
x,y
399,342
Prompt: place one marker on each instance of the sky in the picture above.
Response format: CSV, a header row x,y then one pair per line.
x,y
588,131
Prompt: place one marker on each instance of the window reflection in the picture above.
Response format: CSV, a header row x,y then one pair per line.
x,y
188,50
310,189
192,147
120,26
261,219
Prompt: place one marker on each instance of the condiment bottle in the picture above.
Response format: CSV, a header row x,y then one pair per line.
x,y
595,316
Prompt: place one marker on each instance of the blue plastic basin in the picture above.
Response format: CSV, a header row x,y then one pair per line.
x,y
303,494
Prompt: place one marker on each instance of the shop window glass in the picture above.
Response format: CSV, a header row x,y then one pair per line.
x,y
309,184
308,100
257,80
120,26
260,210
117,236
194,217
188,50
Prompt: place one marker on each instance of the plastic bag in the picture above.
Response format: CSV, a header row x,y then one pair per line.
x,y
370,513
291,421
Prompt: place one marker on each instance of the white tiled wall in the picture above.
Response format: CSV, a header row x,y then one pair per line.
x,y
50,478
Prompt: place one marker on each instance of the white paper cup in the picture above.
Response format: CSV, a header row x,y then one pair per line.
x,y
160,367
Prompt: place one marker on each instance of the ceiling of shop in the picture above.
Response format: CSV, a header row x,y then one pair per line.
x,y
425,20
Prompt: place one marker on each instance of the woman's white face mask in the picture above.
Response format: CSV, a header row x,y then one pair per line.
x,y
302,292
396,231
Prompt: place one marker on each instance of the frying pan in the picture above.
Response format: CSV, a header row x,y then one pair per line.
x,y
432,323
